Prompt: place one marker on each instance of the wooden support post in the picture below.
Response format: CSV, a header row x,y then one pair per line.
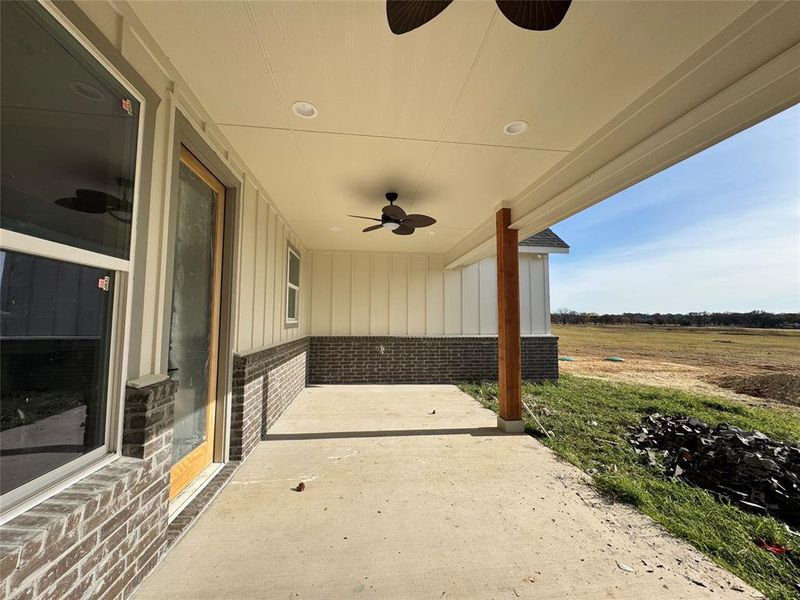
x,y
509,362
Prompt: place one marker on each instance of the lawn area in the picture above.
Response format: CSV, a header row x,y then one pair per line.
x,y
588,419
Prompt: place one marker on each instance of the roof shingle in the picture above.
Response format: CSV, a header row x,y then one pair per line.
x,y
544,239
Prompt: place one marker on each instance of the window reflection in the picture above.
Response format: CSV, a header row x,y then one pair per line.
x,y
68,138
54,343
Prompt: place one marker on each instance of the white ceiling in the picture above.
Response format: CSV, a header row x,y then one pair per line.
x,y
422,113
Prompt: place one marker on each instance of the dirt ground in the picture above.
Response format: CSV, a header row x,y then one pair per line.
x,y
755,366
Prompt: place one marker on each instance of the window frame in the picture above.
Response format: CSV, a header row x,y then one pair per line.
x,y
24,497
292,321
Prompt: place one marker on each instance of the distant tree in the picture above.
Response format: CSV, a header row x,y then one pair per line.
x,y
755,318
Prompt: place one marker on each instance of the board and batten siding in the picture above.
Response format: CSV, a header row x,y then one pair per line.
x,y
360,294
264,241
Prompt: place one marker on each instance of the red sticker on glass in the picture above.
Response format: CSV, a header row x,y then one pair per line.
x,y
103,283
127,106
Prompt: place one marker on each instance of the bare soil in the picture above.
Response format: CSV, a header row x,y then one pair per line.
x,y
779,386
757,367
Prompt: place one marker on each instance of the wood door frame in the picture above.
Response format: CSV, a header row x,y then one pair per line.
x,y
190,466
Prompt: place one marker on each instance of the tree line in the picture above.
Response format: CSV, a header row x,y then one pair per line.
x,y
755,318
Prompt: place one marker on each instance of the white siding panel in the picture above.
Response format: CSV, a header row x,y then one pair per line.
x,y
281,253
341,308
538,307
546,293
398,295
306,293
524,295
488,296
321,295
260,274
271,291
379,295
452,302
417,295
360,294
435,301
247,257
470,300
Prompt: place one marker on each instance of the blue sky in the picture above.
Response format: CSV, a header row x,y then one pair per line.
x,y
718,231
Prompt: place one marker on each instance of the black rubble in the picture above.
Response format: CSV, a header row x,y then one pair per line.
x,y
752,470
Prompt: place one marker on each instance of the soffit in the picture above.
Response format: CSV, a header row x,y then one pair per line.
x,y
421,113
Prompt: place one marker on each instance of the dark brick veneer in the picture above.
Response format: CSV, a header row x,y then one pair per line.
x,y
394,359
101,536
264,384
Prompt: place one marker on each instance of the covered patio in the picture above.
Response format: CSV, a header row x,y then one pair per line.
x,y
403,503
196,233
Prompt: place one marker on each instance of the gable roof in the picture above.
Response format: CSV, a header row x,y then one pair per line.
x,y
543,242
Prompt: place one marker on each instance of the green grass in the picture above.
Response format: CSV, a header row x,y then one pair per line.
x,y
720,530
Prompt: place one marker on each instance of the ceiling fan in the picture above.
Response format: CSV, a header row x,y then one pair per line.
x,y
536,15
98,202
396,220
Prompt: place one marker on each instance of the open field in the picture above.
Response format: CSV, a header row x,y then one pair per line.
x,y
756,366
588,420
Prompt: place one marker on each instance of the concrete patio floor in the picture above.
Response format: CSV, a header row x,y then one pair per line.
x,y
400,503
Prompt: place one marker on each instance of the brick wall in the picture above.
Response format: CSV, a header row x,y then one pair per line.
x,y
101,536
264,384
394,359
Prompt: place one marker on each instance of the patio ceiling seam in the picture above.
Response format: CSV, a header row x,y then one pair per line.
x,y
394,137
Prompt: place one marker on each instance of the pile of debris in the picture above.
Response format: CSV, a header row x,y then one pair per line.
x,y
752,470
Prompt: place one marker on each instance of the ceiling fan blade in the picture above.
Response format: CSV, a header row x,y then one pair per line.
x,y
536,15
419,220
372,228
404,230
407,15
394,212
360,217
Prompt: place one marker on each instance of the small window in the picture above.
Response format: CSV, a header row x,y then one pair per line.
x,y
293,286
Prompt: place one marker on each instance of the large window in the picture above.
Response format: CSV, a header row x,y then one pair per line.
x,y
67,165
292,286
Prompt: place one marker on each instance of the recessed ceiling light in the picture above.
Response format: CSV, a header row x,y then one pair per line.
x,y
515,127
336,228
303,109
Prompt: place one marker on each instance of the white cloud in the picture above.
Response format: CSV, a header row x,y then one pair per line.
x,y
734,262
